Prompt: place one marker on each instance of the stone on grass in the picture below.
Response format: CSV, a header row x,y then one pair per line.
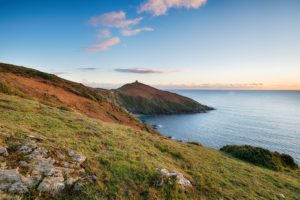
x,y
18,188
52,185
3,151
77,157
181,180
11,181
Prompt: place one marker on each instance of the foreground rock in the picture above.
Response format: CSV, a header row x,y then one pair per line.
x,y
181,180
11,181
49,175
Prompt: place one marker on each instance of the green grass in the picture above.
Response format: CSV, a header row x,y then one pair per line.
x,y
126,161
261,157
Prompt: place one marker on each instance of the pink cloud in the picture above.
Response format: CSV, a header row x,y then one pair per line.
x,y
104,33
161,7
131,32
104,46
114,19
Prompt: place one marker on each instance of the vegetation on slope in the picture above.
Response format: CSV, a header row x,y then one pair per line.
x,y
127,161
142,99
261,157
52,90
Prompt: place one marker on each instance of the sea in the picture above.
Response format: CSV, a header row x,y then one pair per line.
x,y
269,119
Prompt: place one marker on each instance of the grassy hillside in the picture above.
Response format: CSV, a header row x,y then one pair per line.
x,y
126,161
52,90
143,99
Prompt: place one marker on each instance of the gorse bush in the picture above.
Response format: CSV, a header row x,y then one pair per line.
x,y
261,157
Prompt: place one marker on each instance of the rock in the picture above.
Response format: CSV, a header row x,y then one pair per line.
x,y
24,164
38,153
94,178
77,187
76,157
181,180
11,181
44,166
3,151
18,188
31,181
27,148
52,185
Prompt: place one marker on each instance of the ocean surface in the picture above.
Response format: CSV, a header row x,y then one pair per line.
x,y
269,119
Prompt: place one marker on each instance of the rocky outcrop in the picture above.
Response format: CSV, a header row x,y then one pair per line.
x,y
11,181
36,169
181,180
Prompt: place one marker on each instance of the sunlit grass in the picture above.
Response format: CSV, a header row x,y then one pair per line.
x,y
126,161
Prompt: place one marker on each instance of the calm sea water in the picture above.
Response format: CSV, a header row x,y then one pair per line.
x,y
269,119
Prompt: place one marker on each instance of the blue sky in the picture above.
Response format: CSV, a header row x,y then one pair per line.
x,y
170,43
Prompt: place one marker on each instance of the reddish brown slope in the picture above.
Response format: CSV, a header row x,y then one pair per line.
x,y
50,89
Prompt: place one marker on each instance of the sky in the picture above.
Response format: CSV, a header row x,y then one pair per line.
x,y
206,44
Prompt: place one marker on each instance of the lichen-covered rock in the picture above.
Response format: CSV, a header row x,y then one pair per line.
x,y
31,181
18,188
48,175
181,180
3,151
24,164
27,148
11,181
77,157
52,185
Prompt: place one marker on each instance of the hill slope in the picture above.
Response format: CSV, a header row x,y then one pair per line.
x,y
139,98
55,91
127,161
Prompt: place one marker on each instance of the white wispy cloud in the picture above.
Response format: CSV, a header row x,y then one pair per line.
x,y
104,33
104,46
114,19
161,7
131,32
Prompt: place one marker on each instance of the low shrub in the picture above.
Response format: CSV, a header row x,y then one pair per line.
x,y
260,157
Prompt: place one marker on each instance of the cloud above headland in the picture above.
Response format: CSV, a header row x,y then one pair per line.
x,y
126,27
131,32
87,68
161,7
144,71
104,46
114,19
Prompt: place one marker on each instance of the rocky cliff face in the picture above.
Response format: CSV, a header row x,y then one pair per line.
x,y
139,98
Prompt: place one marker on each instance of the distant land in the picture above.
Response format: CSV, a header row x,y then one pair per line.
x,y
139,98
